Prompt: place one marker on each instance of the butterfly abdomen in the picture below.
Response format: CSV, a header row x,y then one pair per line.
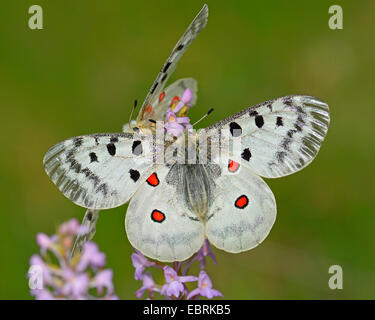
x,y
197,188
195,185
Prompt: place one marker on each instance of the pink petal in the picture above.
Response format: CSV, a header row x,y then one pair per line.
x,y
43,241
183,120
187,96
193,293
103,279
70,227
187,279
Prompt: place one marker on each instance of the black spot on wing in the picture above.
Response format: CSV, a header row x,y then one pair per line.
x,y
280,156
288,101
246,154
286,143
300,110
300,119
253,113
134,175
298,128
299,124
291,132
114,139
93,157
259,121
74,165
103,188
154,87
137,148
279,121
111,149
77,142
71,153
167,65
180,47
91,176
235,129
164,77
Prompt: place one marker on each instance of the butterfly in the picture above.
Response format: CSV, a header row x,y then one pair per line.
x,y
191,185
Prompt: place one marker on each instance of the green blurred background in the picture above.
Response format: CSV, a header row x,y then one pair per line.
x,y
81,73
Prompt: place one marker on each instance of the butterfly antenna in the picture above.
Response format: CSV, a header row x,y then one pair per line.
x,y
209,111
134,107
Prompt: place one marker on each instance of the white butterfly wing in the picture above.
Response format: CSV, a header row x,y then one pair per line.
x,y
280,136
242,213
187,38
99,171
158,222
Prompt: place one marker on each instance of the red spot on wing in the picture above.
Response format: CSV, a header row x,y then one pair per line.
x,y
175,100
241,202
148,109
157,216
153,180
233,166
162,95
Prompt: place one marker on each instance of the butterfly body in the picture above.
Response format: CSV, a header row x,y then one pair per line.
x,y
196,182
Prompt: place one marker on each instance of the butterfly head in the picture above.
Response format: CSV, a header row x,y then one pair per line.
x,y
131,127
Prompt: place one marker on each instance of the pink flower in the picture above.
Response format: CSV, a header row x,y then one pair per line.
x,y
140,262
204,252
186,98
174,285
103,279
91,256
112,297
147,285
36,260
44,242
76,285
176,122
175,278
70,227
64,277
43,294
204,287
174,129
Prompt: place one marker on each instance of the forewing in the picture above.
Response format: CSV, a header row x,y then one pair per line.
x,y
277,137
159,224
99,171
157,109
242,213
187,38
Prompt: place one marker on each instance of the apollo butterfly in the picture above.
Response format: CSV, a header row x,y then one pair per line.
x,y
174,206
